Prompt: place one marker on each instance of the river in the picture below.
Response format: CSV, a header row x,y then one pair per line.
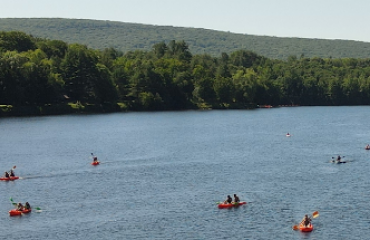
x,y
161,174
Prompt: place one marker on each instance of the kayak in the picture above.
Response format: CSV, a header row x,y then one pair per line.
x,y
338,162
307,228
95,163
15,212
229,205
9,178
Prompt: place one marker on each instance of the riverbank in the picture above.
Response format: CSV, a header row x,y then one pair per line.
x,y
59,109
79,108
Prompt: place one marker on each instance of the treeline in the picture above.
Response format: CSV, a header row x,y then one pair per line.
x,y
98,34
38,72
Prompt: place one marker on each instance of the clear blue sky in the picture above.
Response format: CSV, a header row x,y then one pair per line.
x,y
326,19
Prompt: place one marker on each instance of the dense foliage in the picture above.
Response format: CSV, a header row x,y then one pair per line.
x,y
37,72
126,37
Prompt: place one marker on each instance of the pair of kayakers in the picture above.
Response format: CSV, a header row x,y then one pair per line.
x,y
9,174
26,206
230,200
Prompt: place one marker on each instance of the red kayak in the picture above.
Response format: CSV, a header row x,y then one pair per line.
x,y
95,163
16,212
9,178
307,228
229,205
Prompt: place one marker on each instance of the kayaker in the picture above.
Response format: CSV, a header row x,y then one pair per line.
x,y
236,198
20,207
27,206
306,220
12,173
228,200
6,174
95,159
339,158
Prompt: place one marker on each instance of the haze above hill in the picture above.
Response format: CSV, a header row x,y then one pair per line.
x,y
125,37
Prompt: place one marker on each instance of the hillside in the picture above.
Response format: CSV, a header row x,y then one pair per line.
x,y
130,36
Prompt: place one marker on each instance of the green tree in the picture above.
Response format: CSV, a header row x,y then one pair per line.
x,y
16,41
79,72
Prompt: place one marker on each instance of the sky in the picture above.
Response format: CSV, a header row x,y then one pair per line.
x,y
322,19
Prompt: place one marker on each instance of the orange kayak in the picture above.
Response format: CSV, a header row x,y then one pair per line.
x,y
307,228
9,178
95,163
229,205
16,212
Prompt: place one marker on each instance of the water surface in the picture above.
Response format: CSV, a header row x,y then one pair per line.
x,y
161,174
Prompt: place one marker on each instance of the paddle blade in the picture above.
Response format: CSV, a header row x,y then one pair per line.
x,y
295,227
315,214
11,199
14,167
15,204
38,208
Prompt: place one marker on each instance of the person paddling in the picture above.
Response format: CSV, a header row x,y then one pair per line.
x,y
236,199
228,200
95,158
12,173
6,174
338,158
306,220
27,206
20,207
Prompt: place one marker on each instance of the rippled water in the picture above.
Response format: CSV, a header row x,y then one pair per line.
x,y
161,174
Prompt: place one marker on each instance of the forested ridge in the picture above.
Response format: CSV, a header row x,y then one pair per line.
x,y
126,37
52,77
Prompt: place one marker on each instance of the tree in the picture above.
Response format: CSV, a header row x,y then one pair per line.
x,y
160,49
104,90
36,79
16,41
224,89
79,71
12,90
244,58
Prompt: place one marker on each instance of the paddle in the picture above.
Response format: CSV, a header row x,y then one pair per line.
x,y
93,157
315,214
15,204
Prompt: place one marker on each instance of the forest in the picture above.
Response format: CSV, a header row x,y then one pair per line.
x,y
54,77
124,37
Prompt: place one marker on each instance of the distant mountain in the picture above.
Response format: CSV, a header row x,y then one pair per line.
x,y
125,37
